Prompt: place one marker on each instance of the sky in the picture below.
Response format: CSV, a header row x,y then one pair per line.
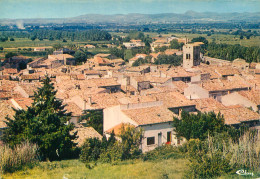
x,y
20,9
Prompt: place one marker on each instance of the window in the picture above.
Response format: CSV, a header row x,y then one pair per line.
x,y
187,56
150,140
169,136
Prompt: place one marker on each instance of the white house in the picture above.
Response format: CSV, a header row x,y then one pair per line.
x,y
154,118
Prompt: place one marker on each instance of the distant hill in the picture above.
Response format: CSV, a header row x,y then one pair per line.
x,y
135,18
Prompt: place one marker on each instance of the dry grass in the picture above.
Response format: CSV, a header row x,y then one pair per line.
x,y
171,168
16,158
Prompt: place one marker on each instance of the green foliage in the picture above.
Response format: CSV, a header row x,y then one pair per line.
x,y
57,46
160,49
131,141
1,48
112,151
204,46
174,59
141,61
113,154
10,54
204,163
117,52
231,52
163,153
33,38
91,150
3,39
174,44
94,119
136,35
93,35
43,124
11,39
198,126
80,56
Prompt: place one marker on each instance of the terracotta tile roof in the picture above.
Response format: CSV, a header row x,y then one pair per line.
x,y
252,95
177,72
85,133
238,114
208,104
5,110
103,100
173,99
23,102
10,71
30,77
180,85
102,55
30,88
136,99
219,85
150,115
73,108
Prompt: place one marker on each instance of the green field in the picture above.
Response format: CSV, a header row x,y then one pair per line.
x,y
25,42
171,168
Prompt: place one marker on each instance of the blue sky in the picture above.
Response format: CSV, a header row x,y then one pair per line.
x,y
70,8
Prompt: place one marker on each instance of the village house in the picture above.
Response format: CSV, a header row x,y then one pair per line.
x,y
39,49
64,51
134,44
154,119
216,88
249,99
5,110
89,46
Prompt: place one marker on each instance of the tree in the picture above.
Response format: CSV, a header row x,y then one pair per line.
x,y
10,54
1,48
94,119
80,56
44,123
33,38
11,39
174,44
57,46
198,126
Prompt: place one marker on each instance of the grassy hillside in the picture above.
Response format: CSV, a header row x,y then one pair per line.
x,y
171,168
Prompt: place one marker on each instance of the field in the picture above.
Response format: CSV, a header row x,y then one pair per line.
x,y
28,43
171,168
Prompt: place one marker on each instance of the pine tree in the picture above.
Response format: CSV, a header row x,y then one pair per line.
x,y
44,123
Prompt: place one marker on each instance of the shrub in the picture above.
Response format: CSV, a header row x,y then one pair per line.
x,y
162,153
91,150
220,155
113,154
15,158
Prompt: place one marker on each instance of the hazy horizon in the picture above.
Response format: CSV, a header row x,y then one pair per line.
x,y
23,9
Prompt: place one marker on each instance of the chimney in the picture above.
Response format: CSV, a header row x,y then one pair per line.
x,y
89,101
84,104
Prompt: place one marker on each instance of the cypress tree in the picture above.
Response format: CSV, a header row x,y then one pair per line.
x,y
44,123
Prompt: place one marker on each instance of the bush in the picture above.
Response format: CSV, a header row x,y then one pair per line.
x,y
91,150
113,154
220,155
12,159
162,153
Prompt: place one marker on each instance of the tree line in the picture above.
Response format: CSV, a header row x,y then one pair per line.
x,y
93,35
229,52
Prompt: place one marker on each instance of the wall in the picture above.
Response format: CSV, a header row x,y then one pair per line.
x,y
237,99
113,116
194,91
153,130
